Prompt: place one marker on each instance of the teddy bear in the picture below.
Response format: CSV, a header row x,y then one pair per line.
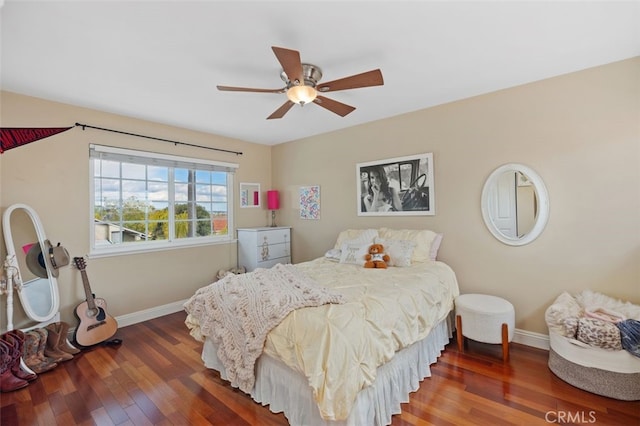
x,y
376,258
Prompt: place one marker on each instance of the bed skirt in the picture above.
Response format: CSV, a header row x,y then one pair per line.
x,y
285,390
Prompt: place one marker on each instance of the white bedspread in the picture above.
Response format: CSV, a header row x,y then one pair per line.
x,y
339,347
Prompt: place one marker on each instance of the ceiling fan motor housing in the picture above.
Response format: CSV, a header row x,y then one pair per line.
x,y
310,73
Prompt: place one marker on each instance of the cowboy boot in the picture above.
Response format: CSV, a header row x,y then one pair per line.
x,y
31,354
53,341
30,350
42,346
8,382
65,346
16,339
22,371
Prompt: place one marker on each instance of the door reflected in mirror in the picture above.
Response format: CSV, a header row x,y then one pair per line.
x,y
249,195
515,204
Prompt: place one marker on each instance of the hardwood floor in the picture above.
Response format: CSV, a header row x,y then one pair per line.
x,y
156,377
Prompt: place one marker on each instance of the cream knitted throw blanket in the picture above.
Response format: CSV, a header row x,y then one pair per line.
x,y
238,312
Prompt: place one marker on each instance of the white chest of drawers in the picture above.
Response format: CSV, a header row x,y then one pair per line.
x,y
264,247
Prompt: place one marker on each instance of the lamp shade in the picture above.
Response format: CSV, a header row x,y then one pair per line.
x,y
273,200
301,94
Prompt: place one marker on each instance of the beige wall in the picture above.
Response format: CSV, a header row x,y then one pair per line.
x,y
51,175
580,132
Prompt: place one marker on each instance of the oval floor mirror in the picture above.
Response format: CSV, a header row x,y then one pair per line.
x,y
28,266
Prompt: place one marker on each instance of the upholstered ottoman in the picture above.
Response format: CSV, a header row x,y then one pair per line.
x,y
486,319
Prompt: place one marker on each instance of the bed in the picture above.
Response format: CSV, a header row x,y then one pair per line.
x,y
354,356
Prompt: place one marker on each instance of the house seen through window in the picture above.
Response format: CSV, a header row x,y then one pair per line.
x,y
144,201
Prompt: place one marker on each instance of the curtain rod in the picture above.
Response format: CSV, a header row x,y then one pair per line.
x,y
157,139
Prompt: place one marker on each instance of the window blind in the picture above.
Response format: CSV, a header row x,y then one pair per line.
x,y
154,159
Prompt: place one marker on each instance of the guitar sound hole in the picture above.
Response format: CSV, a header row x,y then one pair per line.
x,y
98,313
101,314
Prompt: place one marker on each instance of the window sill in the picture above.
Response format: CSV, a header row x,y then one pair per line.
x,y
151,247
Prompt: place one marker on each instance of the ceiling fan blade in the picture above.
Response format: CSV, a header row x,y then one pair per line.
x,y
366,79
280,112
334,106
249,89
291,63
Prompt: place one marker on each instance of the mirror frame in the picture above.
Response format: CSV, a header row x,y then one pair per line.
x,y
254,187
12,262
543,204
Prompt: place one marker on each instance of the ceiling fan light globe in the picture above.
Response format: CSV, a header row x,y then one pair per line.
x,y
301,94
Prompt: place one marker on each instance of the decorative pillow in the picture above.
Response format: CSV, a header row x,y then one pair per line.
x,y
354,252
399,251
562,316
423,239
333,254
602,334
356,235
435,246
570,327
630,336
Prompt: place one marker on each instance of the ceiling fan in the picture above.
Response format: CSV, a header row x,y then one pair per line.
x,y
302,84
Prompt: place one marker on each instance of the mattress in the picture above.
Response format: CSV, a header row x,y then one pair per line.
x,y
287,391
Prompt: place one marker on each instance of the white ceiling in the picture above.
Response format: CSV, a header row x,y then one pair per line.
x,y
161,60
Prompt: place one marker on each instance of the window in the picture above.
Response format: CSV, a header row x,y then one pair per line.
x,y
143,201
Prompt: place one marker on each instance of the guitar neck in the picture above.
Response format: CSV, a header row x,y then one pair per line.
x,y
91,303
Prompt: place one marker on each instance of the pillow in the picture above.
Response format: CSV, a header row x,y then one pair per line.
x,y
562,315
356,235
423,239
569,327
399,251
354,252
435,246
595,332
630,336
333,254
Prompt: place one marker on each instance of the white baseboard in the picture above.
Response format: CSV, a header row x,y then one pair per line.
x,y
151,313
529,338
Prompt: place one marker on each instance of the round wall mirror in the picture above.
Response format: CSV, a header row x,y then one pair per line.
x,y
515,204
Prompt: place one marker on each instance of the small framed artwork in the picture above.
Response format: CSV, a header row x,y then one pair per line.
x,y
401,186
310,202
249,195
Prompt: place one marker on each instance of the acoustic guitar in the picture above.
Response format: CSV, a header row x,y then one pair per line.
x,y
96,325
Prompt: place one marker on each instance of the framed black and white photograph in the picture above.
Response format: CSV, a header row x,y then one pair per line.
x,y
401,186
